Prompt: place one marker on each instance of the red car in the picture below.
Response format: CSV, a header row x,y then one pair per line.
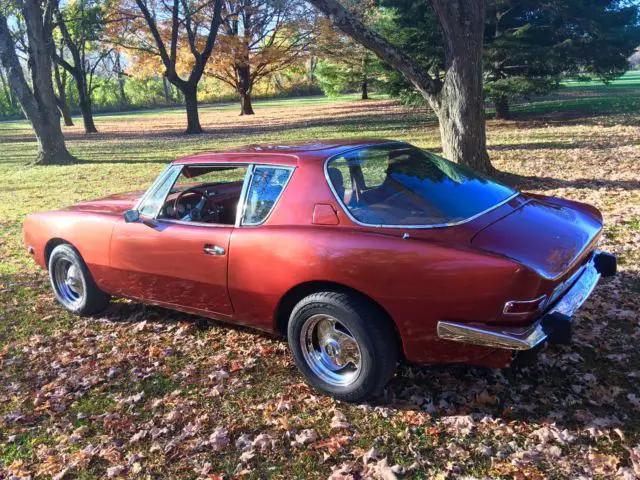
x,y
361,252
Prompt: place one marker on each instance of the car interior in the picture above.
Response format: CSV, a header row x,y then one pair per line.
x,y
377,195
205,194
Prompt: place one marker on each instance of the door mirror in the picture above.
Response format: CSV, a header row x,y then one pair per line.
x,y
131,216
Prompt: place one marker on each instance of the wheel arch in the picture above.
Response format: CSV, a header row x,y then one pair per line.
x,y
50,245
291,298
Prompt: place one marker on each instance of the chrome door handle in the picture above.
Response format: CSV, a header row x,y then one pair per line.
x,y
213,250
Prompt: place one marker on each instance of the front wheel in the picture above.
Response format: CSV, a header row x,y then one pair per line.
x,y
343,345
73,284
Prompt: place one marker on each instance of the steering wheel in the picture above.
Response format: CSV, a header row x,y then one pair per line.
x,y
196,211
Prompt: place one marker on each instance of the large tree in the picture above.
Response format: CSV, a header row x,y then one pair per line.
x,y
259,38
454,92
531,45
38,101
180,34
80,24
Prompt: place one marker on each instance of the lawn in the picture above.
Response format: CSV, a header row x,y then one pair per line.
x,y
148,393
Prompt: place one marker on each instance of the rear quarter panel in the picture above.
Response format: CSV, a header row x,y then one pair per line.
x,y
417,282
89,233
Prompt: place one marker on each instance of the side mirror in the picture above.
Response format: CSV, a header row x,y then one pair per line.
x,y
131,216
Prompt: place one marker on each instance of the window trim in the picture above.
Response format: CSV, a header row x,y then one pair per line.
x,y
242,201
349,215
275,202
154,186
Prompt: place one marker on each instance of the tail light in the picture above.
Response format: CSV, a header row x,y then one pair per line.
x,y
525,307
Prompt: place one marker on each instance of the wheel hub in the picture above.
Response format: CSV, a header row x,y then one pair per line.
x,y
330,350
67,281
73,280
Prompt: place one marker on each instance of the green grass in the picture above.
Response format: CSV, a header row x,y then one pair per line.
x,y
630,79
586,98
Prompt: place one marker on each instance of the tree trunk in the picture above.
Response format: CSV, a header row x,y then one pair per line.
x,y
121,79
190,93
245,104
460,103
84,100
365,89
244,89
365,79
39,105
61,99
64,110
502,107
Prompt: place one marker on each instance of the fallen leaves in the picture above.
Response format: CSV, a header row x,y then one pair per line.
x,y
143,391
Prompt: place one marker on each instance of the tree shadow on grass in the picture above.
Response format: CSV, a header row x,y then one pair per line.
x,y
393,120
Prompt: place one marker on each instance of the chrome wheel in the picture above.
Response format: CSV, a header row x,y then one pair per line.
x,y
67,280
330,350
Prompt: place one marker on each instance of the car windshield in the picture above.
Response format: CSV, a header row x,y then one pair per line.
x,y
398,184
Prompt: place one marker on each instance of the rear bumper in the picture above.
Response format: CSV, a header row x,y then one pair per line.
x,y
554,326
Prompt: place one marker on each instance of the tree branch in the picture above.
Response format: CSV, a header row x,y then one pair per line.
x,y
352,26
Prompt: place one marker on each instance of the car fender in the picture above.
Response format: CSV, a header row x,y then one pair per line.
x,y
89,233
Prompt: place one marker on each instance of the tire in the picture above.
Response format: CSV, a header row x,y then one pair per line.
x,y
75,290
319,345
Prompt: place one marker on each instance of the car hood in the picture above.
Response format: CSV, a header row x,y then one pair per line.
x,y
546,234
113,204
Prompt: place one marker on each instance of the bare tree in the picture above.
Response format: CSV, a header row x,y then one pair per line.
x,y
79,25
456,96
181,34
39,104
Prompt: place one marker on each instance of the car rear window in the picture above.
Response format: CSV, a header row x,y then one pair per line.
x,y
401,185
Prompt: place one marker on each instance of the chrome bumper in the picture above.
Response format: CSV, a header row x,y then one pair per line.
x,y
554,323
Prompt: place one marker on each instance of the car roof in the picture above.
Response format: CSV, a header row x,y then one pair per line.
x,y
286,154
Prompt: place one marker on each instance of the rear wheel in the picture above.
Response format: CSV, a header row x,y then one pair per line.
x,y
73,284
343,345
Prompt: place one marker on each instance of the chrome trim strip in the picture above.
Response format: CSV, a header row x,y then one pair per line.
x,y
159,179
193,224
496,337
243,195
275,203
346,210
523,338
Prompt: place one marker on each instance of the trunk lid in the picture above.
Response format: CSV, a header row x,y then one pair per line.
x,y
546,236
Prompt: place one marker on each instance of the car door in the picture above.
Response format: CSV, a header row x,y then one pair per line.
x,y
173,263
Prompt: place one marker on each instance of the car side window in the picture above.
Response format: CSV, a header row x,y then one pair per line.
x,y
267,184
158,192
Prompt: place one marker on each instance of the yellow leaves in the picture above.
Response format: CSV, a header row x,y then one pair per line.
x,y
526,472
603,464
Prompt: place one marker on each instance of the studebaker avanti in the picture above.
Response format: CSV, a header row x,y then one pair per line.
x,y
362,253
